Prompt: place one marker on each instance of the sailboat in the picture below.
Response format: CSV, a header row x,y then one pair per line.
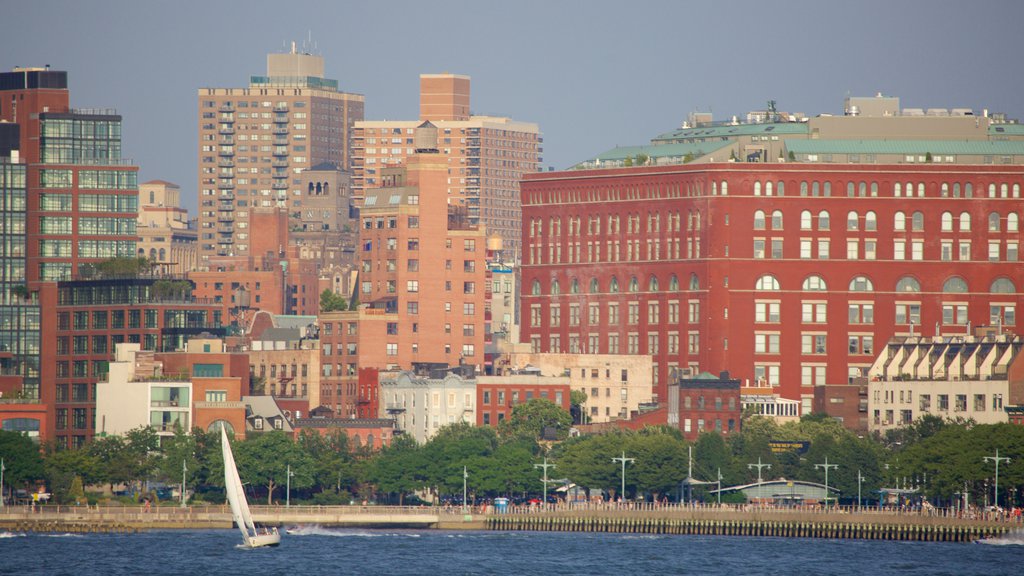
x,y
252,537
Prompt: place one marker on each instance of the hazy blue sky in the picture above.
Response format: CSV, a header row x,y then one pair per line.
x,y
593,75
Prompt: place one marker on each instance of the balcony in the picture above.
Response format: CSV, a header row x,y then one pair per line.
x,y
226,206
279,163
226,152
279,152
226,229
279,185
226,240
280,131
280,107
226,197
280,174
226,217
227,130
226,185
227,107
226,163
280,119
280,142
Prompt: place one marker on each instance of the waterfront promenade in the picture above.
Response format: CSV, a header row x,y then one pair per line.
x,y
739,520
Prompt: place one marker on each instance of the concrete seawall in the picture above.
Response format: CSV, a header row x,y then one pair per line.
x,y
871,524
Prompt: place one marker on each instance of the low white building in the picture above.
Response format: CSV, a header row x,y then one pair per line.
x,y
952,377
137,394
421,403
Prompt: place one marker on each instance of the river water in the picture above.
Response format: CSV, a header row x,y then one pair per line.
x,y
433,552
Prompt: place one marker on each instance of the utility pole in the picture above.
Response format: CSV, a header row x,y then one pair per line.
x,y
759,466
719,486
183,470
859,480
826,466
623,459
996,459
465,477
545,480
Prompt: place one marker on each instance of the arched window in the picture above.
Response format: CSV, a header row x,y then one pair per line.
x,y
805,220
767,188
216,425
956,189
634,285
574,286
757,188
852,220
694,282
917,222
1003,286
759,220
781,189
815,189
947,222
920,189
993,222
823,220
862,189
556,288
1012,222
849,189
991,190
673,283
1016,190
874,189
944,190
828,190
594,286
965,222
777,220
955,285
613,286
163,255
803,188
535,288
968,190
814,283
870,221
369,440
861,284
897,189
766,282
652,284
725,188
908,284
1003,190
899,221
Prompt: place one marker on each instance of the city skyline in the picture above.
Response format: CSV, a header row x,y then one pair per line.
x,y
562,66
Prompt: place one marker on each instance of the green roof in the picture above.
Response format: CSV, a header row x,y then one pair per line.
x,y
1006,129
734,131
697,149
944,147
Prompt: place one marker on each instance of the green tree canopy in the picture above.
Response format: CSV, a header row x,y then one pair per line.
x,y
529,419
331,302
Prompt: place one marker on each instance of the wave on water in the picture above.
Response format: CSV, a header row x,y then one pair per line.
x,y
65,535
11,535
1013,539
344,532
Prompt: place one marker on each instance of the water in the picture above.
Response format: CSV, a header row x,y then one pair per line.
x,y
415,552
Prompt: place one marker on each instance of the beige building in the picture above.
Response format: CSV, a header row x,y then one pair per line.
x,y
255,142
165,234
615,384
968,377
485,156
288,365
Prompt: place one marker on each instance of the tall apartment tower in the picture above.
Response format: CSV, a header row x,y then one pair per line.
x,y
485,156
255,141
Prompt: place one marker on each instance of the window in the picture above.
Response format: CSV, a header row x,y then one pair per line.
x,y
852,220
813,343
955,284
777,220
813,312
993,222
805,219
917,222
947,222
965,222
766,312
759,220
814,283
861,284
766,283
899,222
908,313
823,220
908,284
766,343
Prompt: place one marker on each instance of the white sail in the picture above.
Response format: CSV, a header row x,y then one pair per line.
x,y
239,505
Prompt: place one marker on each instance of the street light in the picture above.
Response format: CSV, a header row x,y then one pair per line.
x,y
288,488
545,480
623,459
996,459
859,480
2,482
759,466
826,466
183,470
465,477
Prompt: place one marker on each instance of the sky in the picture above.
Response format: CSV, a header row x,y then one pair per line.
x,y
592,74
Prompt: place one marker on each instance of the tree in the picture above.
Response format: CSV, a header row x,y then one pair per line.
x,y
660,460
22,460
399,468
641,159
121,267
577,399
628,161
265,460
126,459
587,460
331,302
528,420
331,457
63,467
688,158
172,289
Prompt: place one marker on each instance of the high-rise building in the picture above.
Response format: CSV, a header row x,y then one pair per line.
x,y
485,156
70,201
790,274
254,142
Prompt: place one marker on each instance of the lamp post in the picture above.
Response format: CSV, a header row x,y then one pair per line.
x,y
465,477
826,466
288,488
2,482
996,459
860,479
623,459
759,466
719,486
545,480
183,470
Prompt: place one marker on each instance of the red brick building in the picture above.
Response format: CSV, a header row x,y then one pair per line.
x,y
789,274
496,396
705,403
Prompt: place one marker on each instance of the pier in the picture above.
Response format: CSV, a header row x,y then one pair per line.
x,y
855,523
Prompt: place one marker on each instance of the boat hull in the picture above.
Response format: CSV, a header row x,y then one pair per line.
x,y
261,540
